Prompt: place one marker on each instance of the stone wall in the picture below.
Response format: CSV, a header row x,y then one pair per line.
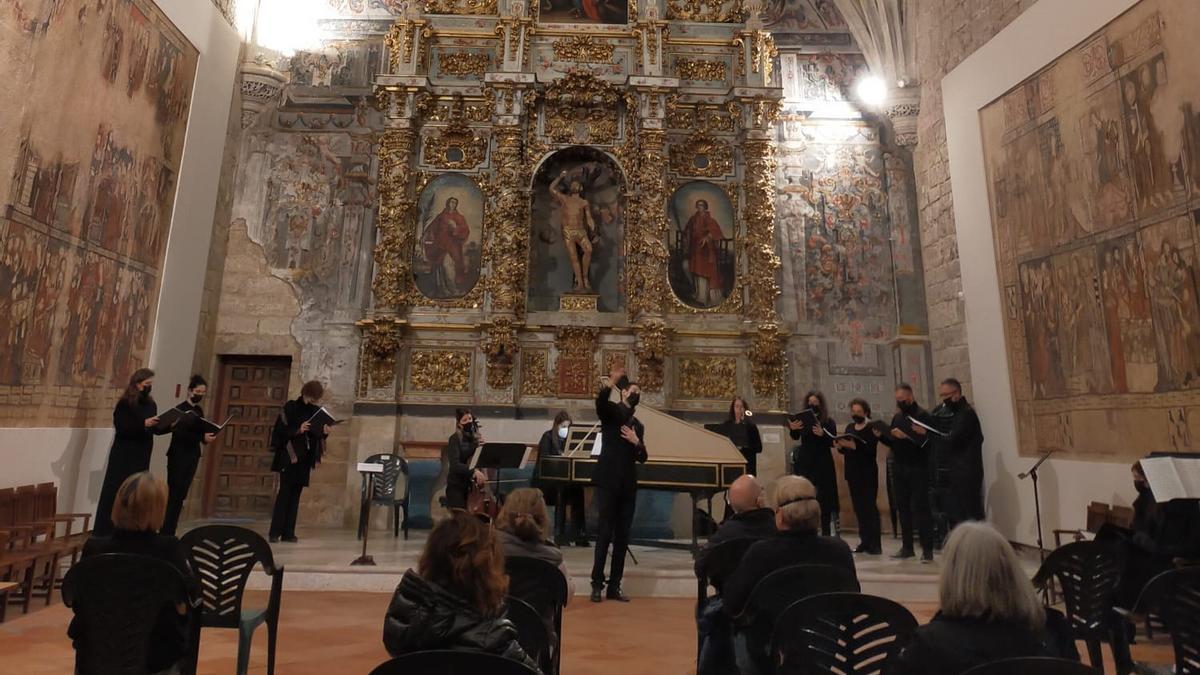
x,y
948,31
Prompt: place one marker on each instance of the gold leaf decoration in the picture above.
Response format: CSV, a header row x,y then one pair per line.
x,y
576,361
535,373
440,371
583,49
501,349
707,11
510,234
460,64
381,342
652,350
702,155
701,70
396,221
582,108
707,378
467,7
455,146
647,244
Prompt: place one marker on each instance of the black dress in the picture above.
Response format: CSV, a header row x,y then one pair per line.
x,y
813,459
130,454
752,447
183,456
862,477
459,450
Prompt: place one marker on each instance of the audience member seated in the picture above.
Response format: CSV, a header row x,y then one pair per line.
x,y
989,611
751,519
455,598
522,526
137,516
1162,534
798,519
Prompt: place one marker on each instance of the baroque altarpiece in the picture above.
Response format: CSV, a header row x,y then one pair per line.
x,y
565,188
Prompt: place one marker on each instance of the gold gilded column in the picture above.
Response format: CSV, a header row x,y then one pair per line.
x,y
767,355
510,236
396,224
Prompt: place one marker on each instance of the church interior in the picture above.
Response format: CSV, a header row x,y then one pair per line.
x,y
874,270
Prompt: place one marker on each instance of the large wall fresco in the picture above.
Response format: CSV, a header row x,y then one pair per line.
x,y
87,192
1094,188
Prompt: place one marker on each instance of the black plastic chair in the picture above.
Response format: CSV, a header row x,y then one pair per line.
x,y
532,632
1034,665
222,558
775,593
383,493
543,587
1088,572
840,633
714,565
117,599
1152,599
1181,612
446,662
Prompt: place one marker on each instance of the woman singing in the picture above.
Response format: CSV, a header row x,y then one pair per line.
x,y
813,458
183,456
459,450
752,446
136,421
862,475
298,448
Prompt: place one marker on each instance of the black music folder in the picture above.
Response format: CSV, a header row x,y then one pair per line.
x,y
322,418
172,417
211,427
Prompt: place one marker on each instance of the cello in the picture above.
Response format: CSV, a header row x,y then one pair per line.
x,y
481,501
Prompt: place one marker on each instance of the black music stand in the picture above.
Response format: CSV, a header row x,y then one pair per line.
x,y
500,456
368,472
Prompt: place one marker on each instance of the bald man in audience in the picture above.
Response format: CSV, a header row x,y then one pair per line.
x,y
750,520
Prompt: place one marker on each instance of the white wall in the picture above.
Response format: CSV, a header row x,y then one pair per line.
x,y
1040,35
75,458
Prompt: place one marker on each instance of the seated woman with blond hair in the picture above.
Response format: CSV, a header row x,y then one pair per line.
x,y
455,598
523,523
138,511
989,611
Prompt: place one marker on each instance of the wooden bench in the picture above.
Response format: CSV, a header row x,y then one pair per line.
x,y
32,547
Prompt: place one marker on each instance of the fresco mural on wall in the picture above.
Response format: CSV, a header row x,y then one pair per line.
x,y
88,192
703,264
449,250
1094,198
578,212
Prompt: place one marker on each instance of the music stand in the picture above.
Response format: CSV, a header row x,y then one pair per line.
x,y
500,456
368,471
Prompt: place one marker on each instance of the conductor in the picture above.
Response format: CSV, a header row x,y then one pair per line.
x,y
623,446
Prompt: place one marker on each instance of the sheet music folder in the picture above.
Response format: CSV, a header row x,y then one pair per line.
x,y
1173,477
500,456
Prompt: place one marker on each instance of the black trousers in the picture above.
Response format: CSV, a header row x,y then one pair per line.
x,y
912,504
864,489
287,503
181,469
572,497
616,518
965,495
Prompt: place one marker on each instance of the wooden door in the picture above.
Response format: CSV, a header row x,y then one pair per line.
x,y
251,390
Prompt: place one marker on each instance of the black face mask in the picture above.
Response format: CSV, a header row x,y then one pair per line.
x,y
949,401
633,399
907,405
1142,488
858,419
145,392
196,398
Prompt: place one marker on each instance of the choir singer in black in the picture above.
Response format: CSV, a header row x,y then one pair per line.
x,y
813,458
911,461
858,446
623,446
183,455
746,436
299,445
961,446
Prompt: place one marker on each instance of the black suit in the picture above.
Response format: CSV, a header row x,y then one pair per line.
x,y
307,448
616,486
961,450
911,467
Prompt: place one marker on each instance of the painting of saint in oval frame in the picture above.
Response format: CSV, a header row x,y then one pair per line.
x,y
703,263
449,250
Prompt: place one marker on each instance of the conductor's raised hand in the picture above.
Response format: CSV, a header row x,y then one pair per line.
x,y
630,434
616,373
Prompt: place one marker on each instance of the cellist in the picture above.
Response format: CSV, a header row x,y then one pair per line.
x,y
459,450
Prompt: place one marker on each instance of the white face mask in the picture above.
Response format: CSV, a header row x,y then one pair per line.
x,y
562,432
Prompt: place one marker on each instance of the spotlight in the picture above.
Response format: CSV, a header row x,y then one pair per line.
x,y
872,90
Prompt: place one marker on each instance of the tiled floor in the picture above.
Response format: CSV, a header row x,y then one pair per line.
x,y
327,633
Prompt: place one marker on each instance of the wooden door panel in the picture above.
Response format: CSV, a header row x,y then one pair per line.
x,y
252,391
